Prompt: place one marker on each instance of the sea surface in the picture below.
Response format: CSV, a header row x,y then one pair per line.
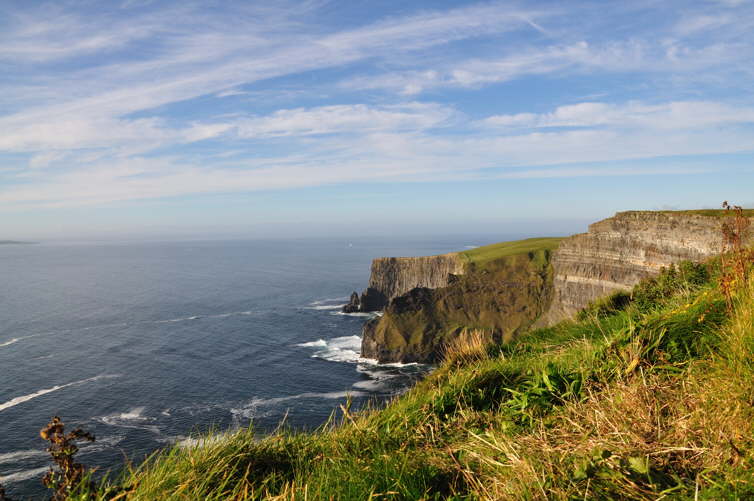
x,y
149,344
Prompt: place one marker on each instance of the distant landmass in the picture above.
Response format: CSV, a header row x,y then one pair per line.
x,y
15,242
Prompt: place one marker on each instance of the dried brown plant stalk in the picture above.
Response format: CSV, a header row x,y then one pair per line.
x,y
63,449
735,257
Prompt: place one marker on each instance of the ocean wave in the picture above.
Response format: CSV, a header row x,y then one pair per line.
x,y
252,409
326,306
25,398
17,339
339,349
84,449
12,457
20,476
323,301
346,349
134,418
10,342
369,314
319,343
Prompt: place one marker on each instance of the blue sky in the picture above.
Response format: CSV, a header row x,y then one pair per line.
x,y
318,118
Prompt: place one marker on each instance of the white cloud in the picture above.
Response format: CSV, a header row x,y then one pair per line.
x,y
345,119
666,116
578,58
366,144
87,103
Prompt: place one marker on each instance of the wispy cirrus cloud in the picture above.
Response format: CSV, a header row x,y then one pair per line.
x,y
670,116
399,146
176,99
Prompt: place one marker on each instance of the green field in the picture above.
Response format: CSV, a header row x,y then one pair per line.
x,y
483,255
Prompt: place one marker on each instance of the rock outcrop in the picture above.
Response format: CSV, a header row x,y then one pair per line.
x,y
618,252
502,298
394,276
428,300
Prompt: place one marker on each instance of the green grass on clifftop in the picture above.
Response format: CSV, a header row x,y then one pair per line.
x,y
482,255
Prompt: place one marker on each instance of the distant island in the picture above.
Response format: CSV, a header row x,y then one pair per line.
x,y
15,242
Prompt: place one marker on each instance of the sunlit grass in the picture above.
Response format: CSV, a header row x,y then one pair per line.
x,y
630,403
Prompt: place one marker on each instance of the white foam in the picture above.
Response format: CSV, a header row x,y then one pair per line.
x,y
8,343
25,398
20,476
323,301
326,307
319,343
134,414
23,455
399,364
252,408
17,339
341,349
10,457
371,385
370,314
132,419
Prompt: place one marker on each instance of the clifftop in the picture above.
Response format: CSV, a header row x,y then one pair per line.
x,y
392,277
428,301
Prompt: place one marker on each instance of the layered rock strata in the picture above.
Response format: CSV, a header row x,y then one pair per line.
x,y
427,301
394,276
618,252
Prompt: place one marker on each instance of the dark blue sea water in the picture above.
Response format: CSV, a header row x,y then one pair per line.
x,y
146,344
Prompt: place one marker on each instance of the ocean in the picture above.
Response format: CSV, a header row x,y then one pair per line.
x,y
149,344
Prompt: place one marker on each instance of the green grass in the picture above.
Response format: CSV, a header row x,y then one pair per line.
x,y
483,255
632,401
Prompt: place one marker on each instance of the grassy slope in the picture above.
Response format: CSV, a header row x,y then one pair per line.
x,y
637,403
480,256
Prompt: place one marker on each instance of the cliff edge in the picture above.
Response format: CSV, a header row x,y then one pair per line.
x,y
392,277
618,252
505,288
499,289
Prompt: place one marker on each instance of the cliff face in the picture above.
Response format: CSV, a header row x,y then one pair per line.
x,y
394,276
618,252
427,301
500,299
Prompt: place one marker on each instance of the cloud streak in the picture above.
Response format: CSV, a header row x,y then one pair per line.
x,y
177,99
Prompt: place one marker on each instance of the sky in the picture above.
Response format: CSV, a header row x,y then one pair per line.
x,y
191,119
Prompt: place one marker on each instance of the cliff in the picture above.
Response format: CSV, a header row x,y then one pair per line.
x,y
394,276
506,288
501,289
616,253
